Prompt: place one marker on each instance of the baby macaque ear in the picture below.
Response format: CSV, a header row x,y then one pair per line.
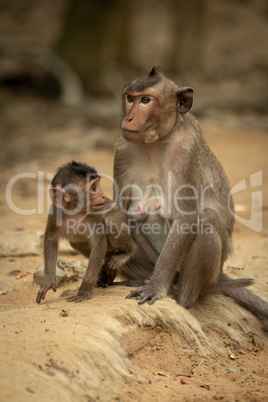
x,y
184,99
59,197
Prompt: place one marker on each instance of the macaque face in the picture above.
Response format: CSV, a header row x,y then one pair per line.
x,y
96,195
139,123
145,119
152,105
82,197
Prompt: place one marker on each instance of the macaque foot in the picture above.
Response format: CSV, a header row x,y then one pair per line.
x,y
105,280
80,297
146,293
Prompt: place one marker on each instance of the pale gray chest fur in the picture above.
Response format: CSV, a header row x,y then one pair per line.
x,y
150,193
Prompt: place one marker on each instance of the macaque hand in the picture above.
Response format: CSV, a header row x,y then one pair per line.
x,y
81,296
115,263
47,284
148,292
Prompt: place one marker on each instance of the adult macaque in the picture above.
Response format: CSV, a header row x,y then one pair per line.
x,y
94,226
169,182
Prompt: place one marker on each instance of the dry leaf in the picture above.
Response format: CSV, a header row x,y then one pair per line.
x,y
189,381
162,374
51,373
21,275
231,355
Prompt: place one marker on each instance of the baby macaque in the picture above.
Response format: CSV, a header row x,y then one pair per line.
x,y
94,225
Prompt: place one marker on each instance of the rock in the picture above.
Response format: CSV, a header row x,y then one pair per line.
x,y
65,271
5,287
14,272
39,275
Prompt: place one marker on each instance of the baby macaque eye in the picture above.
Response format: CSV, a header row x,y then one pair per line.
x,y
130,98
144,99
93,187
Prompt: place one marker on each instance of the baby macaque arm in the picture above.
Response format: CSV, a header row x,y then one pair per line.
x,y
50,254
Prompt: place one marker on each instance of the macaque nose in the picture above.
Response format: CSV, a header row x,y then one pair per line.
x,y
130,117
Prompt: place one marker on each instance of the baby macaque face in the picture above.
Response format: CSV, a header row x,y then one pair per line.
x,y
96,195
82,197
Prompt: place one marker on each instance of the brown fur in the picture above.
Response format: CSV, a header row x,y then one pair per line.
x,y
162,146
97,235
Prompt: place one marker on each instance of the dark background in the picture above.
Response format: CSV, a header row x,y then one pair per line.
x,y
63,64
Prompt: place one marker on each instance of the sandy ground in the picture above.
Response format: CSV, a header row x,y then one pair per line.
x,y
55,351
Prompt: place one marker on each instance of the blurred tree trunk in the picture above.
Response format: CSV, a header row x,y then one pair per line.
x,y
95,41
185,53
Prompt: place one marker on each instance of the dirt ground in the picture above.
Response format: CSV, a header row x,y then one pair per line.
x,y
45,349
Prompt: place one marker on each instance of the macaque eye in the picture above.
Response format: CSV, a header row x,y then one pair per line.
x,y
93,187
130,98
145,99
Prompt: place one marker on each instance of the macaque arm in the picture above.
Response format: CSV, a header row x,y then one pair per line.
x,y
50,254
151,253
97,255
173,251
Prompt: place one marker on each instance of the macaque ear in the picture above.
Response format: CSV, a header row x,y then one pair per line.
x,y
184,99
59,197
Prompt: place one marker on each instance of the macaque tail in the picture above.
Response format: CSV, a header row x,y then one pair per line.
x,y
225,284
250,301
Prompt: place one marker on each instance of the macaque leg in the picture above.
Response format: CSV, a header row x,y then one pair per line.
x,y
199,270
81,247
132,266
119,260
201,267
110,269
104,279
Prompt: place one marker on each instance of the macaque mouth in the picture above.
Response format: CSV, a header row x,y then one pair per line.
x,y
100,205
130,131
